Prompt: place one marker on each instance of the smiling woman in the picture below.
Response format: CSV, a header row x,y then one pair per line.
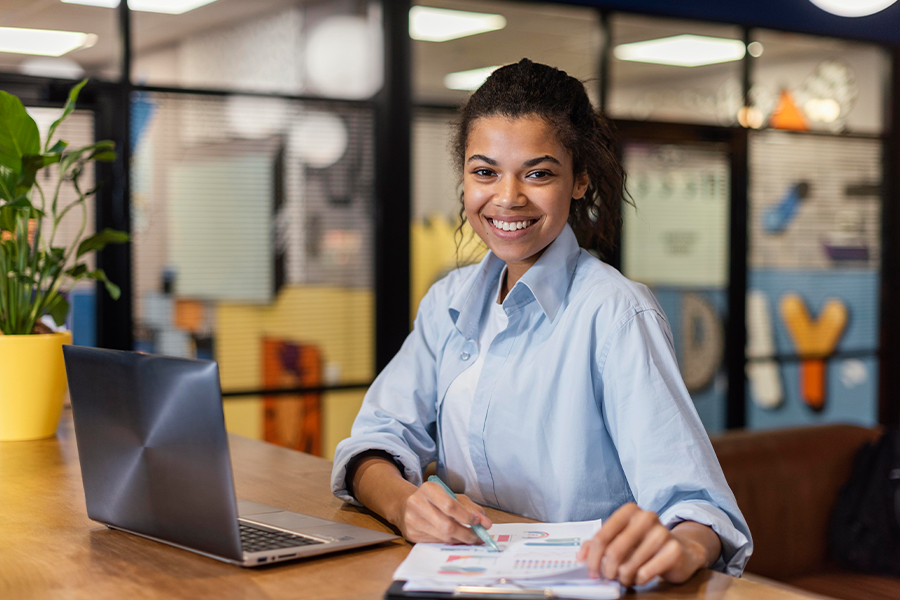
x,y
519,201
541,380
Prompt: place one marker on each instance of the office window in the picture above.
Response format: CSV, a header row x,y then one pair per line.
x,y
813,283
253,246
810,83
566,37
330,49
73,40
670,70
675,240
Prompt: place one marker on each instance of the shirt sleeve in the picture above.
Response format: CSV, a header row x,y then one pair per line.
x,y
398,414
663,448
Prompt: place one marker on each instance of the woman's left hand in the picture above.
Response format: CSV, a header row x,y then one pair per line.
x,y
633,547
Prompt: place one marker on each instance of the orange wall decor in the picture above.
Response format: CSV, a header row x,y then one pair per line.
x,y
814,341
293,421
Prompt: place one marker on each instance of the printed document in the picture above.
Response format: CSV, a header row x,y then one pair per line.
x,y
533,555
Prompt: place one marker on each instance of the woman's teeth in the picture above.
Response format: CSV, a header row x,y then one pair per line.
x,y
511,225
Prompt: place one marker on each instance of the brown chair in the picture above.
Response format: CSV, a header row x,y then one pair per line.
x,y
786,482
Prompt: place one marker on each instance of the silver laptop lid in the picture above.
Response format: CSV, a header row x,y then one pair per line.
x,y
153,448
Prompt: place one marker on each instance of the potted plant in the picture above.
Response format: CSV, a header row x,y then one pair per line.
x,y
35,269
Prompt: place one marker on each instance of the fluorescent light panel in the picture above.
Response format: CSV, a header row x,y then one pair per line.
x,y
468,80
43,42
682,51
169,7
102,3
439,25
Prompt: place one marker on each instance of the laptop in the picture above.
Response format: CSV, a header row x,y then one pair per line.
x,y
154,460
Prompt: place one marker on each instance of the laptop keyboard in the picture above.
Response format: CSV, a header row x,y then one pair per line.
x,y
256,539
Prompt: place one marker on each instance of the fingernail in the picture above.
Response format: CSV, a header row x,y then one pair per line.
x,y
608,571
593,574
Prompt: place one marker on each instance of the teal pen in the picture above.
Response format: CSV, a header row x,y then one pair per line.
x,y
479,530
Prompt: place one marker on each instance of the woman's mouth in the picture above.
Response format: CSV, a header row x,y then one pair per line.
x,y
512,225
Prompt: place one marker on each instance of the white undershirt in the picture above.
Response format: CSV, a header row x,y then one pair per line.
x,y
457,408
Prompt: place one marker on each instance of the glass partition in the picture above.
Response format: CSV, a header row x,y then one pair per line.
x,y
671,70
331,49
60,39
675,240
808,83
253,246
813,279
567,37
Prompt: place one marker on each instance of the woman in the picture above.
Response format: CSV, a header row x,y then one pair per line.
x,y
541,380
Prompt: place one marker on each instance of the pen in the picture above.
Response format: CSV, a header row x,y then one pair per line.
x,y
479,530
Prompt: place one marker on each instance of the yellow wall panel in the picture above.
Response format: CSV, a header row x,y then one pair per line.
x,y
339,321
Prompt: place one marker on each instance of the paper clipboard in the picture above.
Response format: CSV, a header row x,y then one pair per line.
x,y
471,592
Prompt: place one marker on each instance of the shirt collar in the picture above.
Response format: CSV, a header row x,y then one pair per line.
x,y
547,281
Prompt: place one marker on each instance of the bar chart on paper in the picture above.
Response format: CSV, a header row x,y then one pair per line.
x,y
542,556
526,551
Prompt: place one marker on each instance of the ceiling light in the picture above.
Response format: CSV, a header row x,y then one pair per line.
x,y
439,25
853,8
755,49
682,51
468,80
169,7
51,66
43,42
103,3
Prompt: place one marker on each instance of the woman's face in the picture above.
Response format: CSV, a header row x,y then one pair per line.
x,y
517,187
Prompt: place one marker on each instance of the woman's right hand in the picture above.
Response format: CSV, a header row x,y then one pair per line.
x,y
428,514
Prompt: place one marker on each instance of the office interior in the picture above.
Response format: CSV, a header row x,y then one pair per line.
x,y
285,175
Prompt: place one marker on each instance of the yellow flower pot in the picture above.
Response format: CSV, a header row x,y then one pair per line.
x,y
32,385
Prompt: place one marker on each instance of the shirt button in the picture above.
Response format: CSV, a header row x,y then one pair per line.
x,y
464,356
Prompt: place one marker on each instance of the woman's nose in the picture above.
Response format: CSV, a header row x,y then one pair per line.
x,y
509,193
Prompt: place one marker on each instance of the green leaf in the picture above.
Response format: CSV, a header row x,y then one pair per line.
x,y
26,279
22,202
58,147
9,211
8,181
98,241
67,109
18,134
7,218
108,156
78,271
113,289
98,148
58,309
31,164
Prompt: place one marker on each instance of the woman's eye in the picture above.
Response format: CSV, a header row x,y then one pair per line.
x,y
483,172
540,174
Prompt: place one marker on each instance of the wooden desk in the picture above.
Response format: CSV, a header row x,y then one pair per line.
x,y
49,548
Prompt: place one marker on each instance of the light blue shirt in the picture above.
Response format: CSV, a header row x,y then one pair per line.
x,y
579,408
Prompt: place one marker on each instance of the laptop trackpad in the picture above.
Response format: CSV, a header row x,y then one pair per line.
x,y
277,517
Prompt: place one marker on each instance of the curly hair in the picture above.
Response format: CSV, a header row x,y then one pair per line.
x,y
528,89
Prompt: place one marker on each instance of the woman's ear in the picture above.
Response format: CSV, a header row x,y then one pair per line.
x,y
581,185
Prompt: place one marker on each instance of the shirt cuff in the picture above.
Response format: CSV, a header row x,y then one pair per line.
x,y
407,463
736,547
